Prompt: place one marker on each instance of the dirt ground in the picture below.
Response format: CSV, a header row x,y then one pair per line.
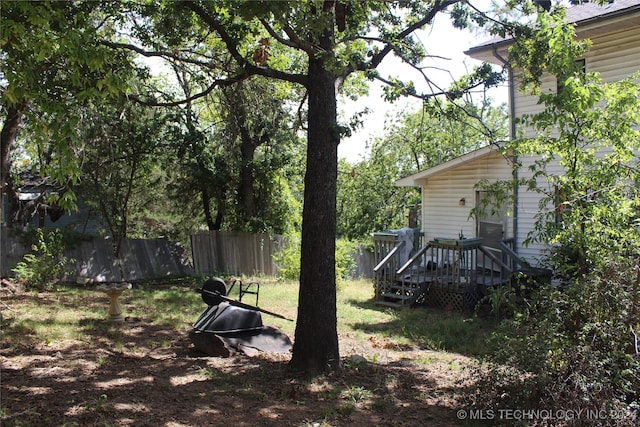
x,y
158,378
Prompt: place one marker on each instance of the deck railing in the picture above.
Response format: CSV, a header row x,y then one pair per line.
x,y
387,249
448,263
462,266
384,273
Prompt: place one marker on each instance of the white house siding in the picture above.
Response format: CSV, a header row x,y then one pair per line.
x,y
615,56
529,202
442,214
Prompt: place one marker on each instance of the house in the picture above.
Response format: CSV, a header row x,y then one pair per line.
x,y
449,191
31,207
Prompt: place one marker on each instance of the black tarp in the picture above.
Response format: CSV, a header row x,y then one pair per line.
x,y
226,318
224,329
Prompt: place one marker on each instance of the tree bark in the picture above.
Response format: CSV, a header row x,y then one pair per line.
x,y
245,188
220,212
315,347
206,206
7,137
237,103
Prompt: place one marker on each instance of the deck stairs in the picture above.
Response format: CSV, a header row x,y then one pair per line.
x,y
405,292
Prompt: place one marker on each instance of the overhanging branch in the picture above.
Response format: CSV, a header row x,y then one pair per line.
x,y
232,47
389,47
293,41
217,83
154,53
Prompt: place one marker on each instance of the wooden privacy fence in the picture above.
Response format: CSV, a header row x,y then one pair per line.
x,y
140,259
365,262
235,252
11,252
213,252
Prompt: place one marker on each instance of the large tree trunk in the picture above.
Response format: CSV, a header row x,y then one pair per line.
x,y
315,347
7,137
206,206
246,186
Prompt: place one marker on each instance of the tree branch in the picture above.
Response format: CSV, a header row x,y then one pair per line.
x,y
232,46
217,83
293,41
300,118
212,22
449,96
378,57
247,70
412,94
152,54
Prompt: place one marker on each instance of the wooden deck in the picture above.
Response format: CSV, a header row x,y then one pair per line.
x,y
440,274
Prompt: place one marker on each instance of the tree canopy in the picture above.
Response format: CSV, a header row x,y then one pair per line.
x,y
317,45
51,64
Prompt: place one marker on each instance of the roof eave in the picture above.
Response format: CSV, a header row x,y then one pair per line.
x,y
417,179
487,51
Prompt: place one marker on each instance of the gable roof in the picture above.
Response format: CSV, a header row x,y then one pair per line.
x,y
418,178
589,18
590,12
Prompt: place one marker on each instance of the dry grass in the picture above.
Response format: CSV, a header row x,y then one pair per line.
x,y
62,364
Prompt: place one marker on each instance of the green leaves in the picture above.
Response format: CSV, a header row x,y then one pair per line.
x,y
550,46
397,89
54,63
483,75
574,346
590,205
46,264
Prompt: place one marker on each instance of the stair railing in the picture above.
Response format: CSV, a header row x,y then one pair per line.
x,y
514,259
384,273
412,276
487,272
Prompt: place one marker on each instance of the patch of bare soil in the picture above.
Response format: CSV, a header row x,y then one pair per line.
x,y
157,378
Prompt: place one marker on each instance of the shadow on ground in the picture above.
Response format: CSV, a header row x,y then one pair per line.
x,y
431,328
143,374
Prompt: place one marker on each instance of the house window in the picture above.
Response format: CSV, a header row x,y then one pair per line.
x,y
491,219
581,66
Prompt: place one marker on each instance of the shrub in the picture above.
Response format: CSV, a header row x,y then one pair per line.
x,y
288,259
46,265
345,262
572,348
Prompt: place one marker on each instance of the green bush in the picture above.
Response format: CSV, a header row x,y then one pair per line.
x,y
572,348
288,259
46,265
345,262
